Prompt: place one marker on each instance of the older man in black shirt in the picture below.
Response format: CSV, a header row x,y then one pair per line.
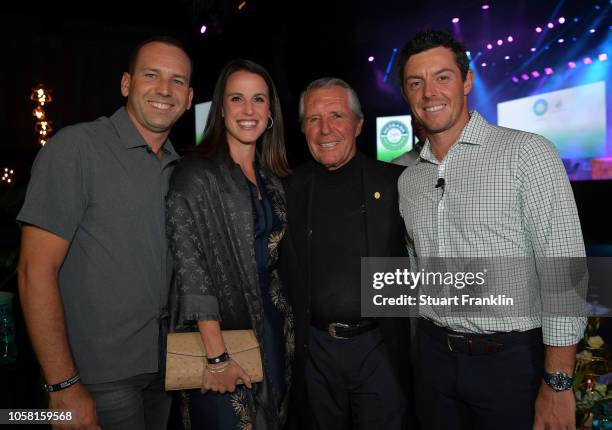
x,y
343,207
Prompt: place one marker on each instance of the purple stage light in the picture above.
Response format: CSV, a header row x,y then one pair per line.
x,y
561,40
538,29
507,57
500,42
489,46
533,50
485,6
525,76
483,64
535,74
203,29
561,20
510,39
370,58
548,70
550,25
603,56
587,60
571,65
592,30
515,79
455,20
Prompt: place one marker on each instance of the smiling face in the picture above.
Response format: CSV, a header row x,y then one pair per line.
x,y
330,126
436,92
246,108
158,90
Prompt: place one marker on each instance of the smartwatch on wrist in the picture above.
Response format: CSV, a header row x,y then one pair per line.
x,y
558,381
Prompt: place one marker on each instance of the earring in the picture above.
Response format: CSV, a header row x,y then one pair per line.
x,y
270,124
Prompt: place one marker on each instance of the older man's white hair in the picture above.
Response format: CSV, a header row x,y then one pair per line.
x,y
329,82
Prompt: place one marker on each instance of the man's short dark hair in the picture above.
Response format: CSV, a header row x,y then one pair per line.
x,y
167,40
429,39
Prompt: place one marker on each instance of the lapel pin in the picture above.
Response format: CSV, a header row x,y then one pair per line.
x,y
377,195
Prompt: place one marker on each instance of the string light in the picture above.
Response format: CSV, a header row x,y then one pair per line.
x,y
41,96
7,176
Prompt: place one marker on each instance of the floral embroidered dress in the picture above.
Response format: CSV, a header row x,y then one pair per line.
x,y
224,241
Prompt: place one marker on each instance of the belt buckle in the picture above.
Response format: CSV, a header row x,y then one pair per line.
x,y
448,341
331,330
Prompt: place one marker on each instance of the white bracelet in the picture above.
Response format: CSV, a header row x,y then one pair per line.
x,y
218,369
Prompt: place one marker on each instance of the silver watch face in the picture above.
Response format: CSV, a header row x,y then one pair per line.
x,y
559,381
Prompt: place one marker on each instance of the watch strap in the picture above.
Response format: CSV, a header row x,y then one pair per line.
x,y
219,359
558,381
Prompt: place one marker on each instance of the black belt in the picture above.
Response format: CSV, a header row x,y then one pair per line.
x,y
339,330
478,344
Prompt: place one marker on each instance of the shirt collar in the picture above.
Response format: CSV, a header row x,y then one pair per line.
x,y
475,130
131,137
474,133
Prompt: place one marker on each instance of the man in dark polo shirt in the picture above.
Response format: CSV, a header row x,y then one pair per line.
x,y
340,208
94,269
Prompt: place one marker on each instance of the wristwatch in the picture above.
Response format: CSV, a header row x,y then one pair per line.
x,y
559,381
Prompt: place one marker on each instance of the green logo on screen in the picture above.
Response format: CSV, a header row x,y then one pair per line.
x,y
394,135
540,107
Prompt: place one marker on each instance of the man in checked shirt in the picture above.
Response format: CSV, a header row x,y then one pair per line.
x,y
480,190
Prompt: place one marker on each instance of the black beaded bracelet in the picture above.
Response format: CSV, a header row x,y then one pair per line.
x,y
65,384
220,359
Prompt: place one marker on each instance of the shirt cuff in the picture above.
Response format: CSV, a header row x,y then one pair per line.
x,y
563,331
195,307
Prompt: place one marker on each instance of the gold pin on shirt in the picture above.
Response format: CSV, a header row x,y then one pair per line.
x,y
377,195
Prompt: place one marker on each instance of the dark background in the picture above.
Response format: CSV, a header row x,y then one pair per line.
x,y
80,51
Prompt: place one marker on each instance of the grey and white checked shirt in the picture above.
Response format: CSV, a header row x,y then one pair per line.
x,y
506,194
